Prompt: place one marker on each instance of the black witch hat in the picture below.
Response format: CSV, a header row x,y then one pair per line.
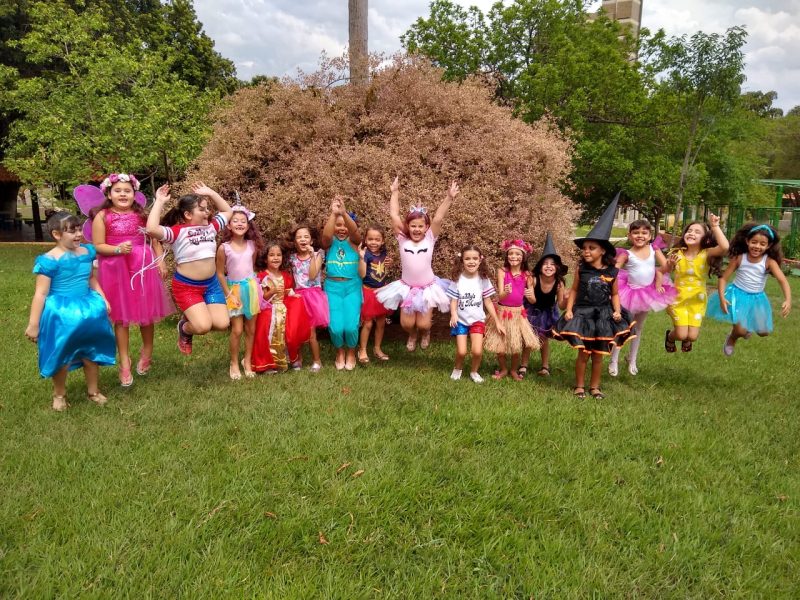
x,y
548,252
601,232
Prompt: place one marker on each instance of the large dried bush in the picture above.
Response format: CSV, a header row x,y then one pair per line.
x,y
288,148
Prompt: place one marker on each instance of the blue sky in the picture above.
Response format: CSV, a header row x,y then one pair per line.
x,y
278,37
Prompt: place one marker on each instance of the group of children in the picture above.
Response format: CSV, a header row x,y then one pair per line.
x,y
272,293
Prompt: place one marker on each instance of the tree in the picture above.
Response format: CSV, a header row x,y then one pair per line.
x,y
97,106
703,75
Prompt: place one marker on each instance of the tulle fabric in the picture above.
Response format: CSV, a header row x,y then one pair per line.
x,y
250,296
750,310
398,294
370,307
316,305
647,298
593,330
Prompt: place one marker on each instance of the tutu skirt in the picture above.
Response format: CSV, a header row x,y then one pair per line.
x,y
592,329
647,298
136,297
249,293
750,310
316,303
519,333
542,321
73,328
415,299
371,308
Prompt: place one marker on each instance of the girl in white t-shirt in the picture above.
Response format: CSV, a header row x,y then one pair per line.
x,y
470,293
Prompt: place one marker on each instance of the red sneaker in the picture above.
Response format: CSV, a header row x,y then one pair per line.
x,y
184,339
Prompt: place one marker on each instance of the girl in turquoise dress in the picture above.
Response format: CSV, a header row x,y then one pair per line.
x,y
341,239
69,313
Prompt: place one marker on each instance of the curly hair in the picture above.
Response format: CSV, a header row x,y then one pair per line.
x,y
261,257
707,241
458,265
252,234
742,236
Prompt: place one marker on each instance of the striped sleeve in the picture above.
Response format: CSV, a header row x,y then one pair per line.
x,y
219,221
452,290
488,288
170,233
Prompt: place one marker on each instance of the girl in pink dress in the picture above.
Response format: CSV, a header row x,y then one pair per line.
x,y
418,291
129,271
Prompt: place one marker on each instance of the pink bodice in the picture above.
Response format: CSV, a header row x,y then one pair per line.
x,y
416,258
124,227
517,289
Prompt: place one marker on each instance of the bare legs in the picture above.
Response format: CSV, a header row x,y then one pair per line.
x,y
240,325
92,374
417,325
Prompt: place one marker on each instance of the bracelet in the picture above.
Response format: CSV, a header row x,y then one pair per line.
x,y
117,250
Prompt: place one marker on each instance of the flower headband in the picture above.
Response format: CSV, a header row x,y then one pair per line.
x,y
765,228
518,244
116,178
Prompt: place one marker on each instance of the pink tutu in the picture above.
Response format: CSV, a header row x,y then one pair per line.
x,y
644,299
316,305
131,282
415,299
371,308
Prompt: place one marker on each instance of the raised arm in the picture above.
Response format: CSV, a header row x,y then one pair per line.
x,y
396,221
201,189
154,218
441,212
352,228
330,225
721,249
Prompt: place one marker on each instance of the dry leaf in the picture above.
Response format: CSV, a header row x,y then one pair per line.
x,y
358,473
343,467
782,497
661,548
660,461
300,457
271,515
346,390
323,539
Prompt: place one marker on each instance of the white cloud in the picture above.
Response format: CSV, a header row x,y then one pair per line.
x,y
276,37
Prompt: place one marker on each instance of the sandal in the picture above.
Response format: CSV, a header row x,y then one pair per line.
x,y
363,358
522,371
596,393
143,366
60,402
579,392
380,355
543,372
669,345
248,372
426,340
125,375
499,375
233,373
98,398
411,344
686,346
315,367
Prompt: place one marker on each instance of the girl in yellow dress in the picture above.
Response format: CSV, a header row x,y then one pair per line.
x,y
689,261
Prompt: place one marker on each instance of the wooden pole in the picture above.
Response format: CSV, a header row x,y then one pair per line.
x,y
359,52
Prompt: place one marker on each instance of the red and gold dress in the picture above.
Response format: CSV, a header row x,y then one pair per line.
x,y
282,326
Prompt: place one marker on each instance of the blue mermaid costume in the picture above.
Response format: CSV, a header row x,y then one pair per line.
x,y
74,324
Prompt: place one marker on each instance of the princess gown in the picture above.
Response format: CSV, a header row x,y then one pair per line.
x,y
74,324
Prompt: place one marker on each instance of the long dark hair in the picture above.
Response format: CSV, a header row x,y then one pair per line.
x,y
261,257
174,216
707,241
561,269
291,246
609,259
523,266
458,265
740,238
252,234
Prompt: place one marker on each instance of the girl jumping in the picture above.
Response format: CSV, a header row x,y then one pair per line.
x,y
755,251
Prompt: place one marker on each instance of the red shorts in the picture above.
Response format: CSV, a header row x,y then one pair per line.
x,y
188,292
461,329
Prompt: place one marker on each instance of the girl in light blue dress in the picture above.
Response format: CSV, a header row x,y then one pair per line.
x,y
69,313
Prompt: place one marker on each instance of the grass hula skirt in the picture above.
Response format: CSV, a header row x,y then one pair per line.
x,y
519,333
592,329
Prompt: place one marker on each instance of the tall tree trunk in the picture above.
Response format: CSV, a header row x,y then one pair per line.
x,y
685,171
37,221
359,52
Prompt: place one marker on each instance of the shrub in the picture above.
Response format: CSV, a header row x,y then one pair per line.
x,y
289,147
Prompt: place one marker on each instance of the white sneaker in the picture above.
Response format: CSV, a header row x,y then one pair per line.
x,y
455,375
476,377
613,369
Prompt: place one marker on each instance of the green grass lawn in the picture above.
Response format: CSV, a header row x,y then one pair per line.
x,y
682,483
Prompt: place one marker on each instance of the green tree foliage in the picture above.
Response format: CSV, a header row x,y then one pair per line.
x,y
97,105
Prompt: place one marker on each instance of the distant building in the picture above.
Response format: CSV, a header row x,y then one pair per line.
x,y
627,12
